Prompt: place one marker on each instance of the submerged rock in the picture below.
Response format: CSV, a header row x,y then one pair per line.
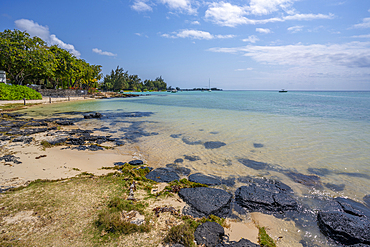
x,y
345,221
209,234
335,187
179,169
162,175
191,158
307,180
204,179
367,200
214,145
256,165
204,201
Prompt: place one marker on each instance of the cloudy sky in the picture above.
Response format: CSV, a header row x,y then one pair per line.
x,y
237,44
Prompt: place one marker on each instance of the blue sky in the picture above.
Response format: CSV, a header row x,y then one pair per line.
x,y
250,44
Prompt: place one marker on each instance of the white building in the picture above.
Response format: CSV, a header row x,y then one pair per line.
x,y
2,76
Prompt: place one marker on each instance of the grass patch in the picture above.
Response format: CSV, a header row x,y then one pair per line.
x,y
111,220
264,239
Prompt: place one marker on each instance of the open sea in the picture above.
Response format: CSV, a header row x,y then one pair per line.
x,y
248,133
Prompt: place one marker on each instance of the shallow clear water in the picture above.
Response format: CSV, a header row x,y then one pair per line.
x,y
312,133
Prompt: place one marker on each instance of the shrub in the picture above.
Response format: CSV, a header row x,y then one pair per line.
x,y
17,92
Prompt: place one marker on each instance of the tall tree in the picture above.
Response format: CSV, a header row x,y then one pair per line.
x,y
22,56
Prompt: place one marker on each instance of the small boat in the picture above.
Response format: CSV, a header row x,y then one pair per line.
x,y
174,91
283,91
209,86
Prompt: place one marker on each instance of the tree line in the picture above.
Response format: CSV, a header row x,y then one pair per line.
x,y
29,60
119,80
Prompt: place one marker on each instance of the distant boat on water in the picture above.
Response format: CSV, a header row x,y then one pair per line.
x,y
209,86
283,91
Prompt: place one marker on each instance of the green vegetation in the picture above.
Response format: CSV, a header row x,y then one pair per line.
x,y
29,60
111,220
264,239
120,80
184,233
17,92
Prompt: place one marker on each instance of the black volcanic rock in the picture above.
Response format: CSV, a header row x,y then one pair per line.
x,y
241,243
209,234
204,179
204,201
162,175
345,221
136,162
266,196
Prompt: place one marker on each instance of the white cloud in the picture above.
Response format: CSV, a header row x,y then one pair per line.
x,y
34,29
180,5
196,34
365,24
263,30
295,29
251,39
195,22
350,55
226,14
141,6
248,69
362,36
105,53
265,7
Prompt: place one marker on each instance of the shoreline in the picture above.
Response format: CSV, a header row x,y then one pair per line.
x,y
44,100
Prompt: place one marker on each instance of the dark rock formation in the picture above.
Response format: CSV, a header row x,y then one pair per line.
x,y
257,145
178,160
179,169
191,158
214,145
4,138
345,221
204,201
266,196
335,187
307,180
204,179
255,164
209,234
93,115
241,243
10,158
319,171
367,200
189,141
136,162
162,175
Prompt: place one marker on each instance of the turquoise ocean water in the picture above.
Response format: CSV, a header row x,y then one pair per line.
x,y
326,134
